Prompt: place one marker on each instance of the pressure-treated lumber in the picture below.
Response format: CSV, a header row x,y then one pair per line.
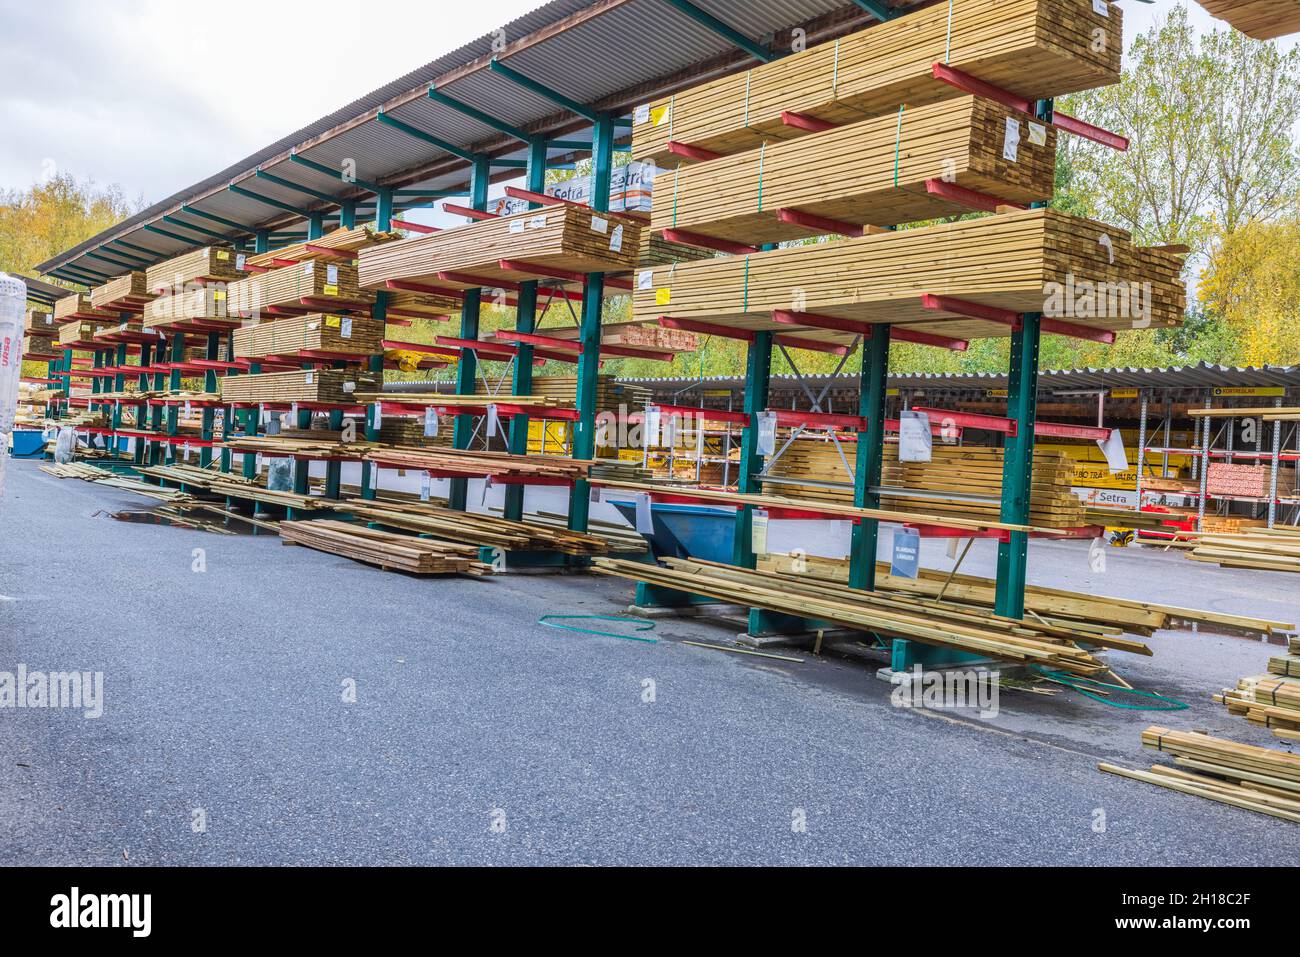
x,y
869,173
214,263
405,553
1270,701
475,528
1261,19
1263,549
564,238
972,630
337,386
289,285
1037,260
1034,48
343,335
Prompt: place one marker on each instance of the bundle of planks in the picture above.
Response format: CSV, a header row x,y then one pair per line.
x,y
107,479
462,463
474,528
328,445
1037,260
38,322
403,553
79,306
868,173
404,430
80,333
215,263
341,241
337,386
1270,701
1242,775
130,289
1104,613
38,345
187,307
562,392
941,486
1249,481
451,399
636,334
1261,19
345,335
566,238
972,630
289,285
1267,549
1033,48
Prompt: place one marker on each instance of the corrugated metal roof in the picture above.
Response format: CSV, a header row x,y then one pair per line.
x,y
1204,375
608,53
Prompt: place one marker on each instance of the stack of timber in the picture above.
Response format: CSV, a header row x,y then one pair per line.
x,y
657,251
38,322
38,346
1266,549
452,400
210,264
1037,260
79,307
938,486
322,445
404,430
1102,613
562,392
188,308
871,173
1034,48
130,289
80,333
289,285
1242,775
567,238
1261,19
970,630
336,386
637,334
1247,481
1271,701
341,241
345,335
469,464
475,528
89,473
403,553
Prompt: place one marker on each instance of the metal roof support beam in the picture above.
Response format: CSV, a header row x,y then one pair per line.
x,y
197,229
384,210
176,236
240,191
81,274
545,92
289,184
111,262
153,253
421,135
218,219
478,116
878,9
127,256
315,227
348,215
712,23
336,173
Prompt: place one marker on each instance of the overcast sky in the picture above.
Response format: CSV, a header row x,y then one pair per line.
x,y
156,95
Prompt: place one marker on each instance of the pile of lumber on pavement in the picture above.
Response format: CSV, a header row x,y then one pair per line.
x,y
1242,775
474,528
896,616
1034,48
554,238
403,553
1109,614
1261,19
338,386
1271,701
1036,260
960,470
1266,549
870,173
213,263
89,473
345,335
462,463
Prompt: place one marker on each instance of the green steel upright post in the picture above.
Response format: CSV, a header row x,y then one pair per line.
x,y
379,312
1017,466
758,380
315,226
210,386
348,215
870,457
467,367
593,300
525,322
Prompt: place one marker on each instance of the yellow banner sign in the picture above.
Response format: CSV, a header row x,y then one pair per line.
x,y
1234,391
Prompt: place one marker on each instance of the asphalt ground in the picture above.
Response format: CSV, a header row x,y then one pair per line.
x,y
479,736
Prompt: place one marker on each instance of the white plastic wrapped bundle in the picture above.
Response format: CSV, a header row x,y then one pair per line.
x,y
13,301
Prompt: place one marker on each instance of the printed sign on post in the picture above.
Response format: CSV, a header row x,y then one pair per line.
x,y
766,433
758,531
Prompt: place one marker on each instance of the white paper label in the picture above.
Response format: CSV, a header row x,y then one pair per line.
x,y
431,423
599,224
537,222
516,226
1037,133
645,279
758,531
642,114
492,425
1011,144
311,377
378,419
240,260
1102,7
616,239
332,275
426,487
308,268
345,327
767,433
915,440
652,416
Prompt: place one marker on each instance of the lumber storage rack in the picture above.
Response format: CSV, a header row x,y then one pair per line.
x,y
291,197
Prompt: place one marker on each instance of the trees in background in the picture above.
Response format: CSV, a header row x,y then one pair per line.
x,y
39,223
